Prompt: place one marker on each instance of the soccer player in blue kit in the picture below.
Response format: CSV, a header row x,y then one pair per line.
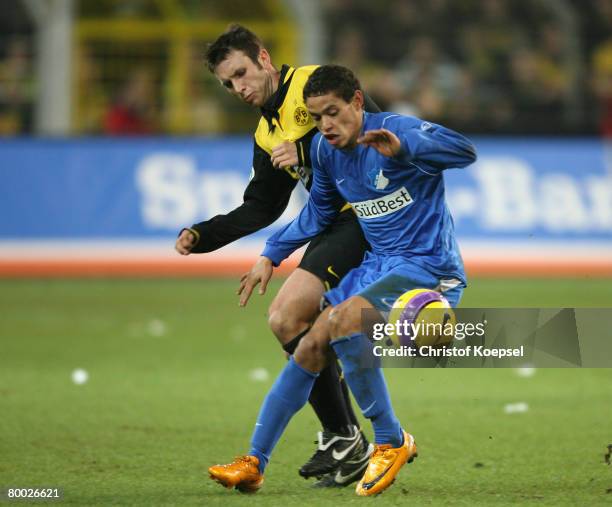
x,y
389,168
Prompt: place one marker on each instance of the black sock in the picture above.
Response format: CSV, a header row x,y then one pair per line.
x,y
329,396
347,398
329,402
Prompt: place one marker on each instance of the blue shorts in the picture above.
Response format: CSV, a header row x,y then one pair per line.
x,y
382,279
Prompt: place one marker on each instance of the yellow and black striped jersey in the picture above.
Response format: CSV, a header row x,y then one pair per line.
x,y
285,118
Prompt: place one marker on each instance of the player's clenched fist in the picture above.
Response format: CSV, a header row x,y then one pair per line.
x,y
185,242
260,272
383,141
285,154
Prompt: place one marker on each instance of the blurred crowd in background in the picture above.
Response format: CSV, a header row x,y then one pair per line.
x,y
499,66
520,67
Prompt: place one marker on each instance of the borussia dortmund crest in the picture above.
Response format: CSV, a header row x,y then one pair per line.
x,y
300,115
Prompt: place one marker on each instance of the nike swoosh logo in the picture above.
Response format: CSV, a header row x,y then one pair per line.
x,y
331,272
338,182
324,447
360,464
342,479
258,424
366,409
372,483
339,456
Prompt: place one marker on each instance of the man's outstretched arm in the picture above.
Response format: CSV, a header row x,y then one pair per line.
x,y
439,147
265,199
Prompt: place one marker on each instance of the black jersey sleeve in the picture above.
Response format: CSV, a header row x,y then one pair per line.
x,y
265,199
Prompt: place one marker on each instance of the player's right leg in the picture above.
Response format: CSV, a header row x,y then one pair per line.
x,y
394,447
288,395
328,258
293,310
340,440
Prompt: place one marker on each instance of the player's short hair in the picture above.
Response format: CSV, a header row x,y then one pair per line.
x,y
332,79
236,37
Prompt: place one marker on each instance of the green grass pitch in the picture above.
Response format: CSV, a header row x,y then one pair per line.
x,y
170,392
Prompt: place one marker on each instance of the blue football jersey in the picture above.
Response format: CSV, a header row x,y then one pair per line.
x,y
399,200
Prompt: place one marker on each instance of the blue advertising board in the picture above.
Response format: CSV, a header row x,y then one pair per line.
x,y
522,191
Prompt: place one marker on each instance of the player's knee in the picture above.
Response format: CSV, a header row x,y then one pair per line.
x,y
310,353
276,321
345,319
308,347
284,325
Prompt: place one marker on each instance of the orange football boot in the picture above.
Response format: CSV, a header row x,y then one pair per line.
x,y
384,466
242,474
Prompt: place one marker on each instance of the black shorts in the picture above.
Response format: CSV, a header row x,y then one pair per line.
x,y
337,250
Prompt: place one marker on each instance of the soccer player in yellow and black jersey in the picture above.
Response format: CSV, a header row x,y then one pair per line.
x,y
281,158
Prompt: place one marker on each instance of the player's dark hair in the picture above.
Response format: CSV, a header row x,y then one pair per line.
x,y
332,79
236,37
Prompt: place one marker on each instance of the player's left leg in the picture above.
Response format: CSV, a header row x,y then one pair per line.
x,y
382,281
394,447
